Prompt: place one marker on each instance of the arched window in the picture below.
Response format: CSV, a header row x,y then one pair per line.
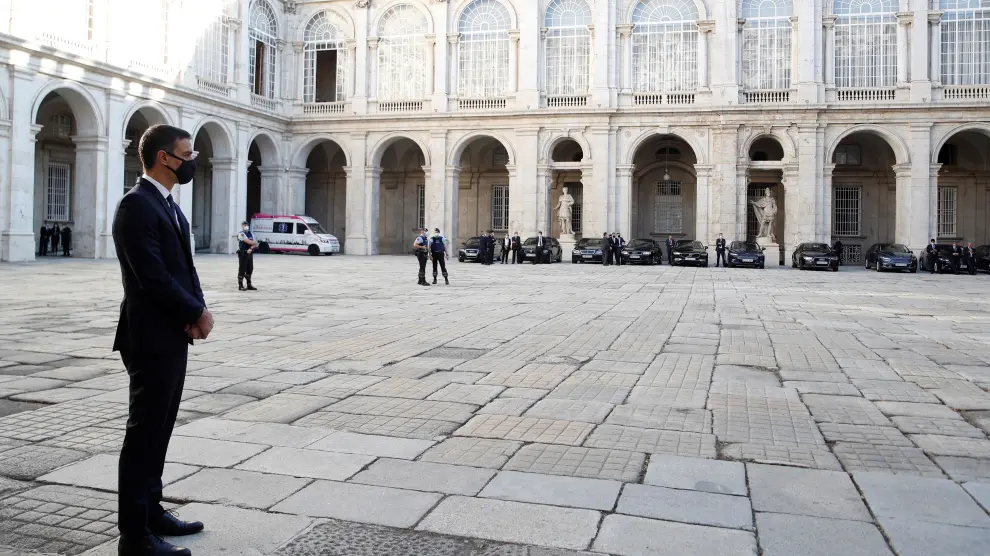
x,y
965,42
324,62
213,46
483,50
665,46
865,43
567,54
766,44
263,34
402,54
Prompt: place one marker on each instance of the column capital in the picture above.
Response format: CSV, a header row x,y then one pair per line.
x,y
281,44
934,18
793,19
453,38
740,23
514,35
624,171
91,143
298,46
828,21
934,169
625,29
269,171
351,44
373,42
706,25
904,18
372,172
23,72
297,171
828,169
902,170
224,163
703,170
431,39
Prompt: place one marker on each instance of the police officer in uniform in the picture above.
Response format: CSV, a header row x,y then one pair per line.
x,y
421,246
720,251
245,257
438,253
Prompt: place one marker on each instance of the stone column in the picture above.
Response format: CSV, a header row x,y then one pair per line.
x,y
703,210
89,208
625,43
294,195
5,185
451,178
796,76
619,209
827,189
356,241
544,184
524,189
453,85
270,198
725,54
238,183
742,198
513,62
904,19
932,201
352,63
828,22
17,240
299,73
441,199
790,182
225,219
921,85
372,181
903,194
935,38
916,201
720,208
431,47
242,40
516,210
704,28
373,68
597,180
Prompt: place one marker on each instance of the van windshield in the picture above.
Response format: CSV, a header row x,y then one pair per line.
x,y
316,227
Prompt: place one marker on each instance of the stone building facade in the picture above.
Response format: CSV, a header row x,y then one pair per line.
x,y
868,121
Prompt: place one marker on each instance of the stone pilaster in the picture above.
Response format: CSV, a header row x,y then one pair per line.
x,y
89,200
225,218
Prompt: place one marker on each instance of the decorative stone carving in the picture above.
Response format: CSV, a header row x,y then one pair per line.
x,y
289,7
766,215
564,208
362,3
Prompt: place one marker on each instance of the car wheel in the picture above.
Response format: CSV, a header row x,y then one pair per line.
x,y
877,266
460,259
574,261
762,266
263,248
313,250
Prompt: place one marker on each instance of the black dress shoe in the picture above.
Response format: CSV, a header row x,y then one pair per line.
x,y
167,525
149,546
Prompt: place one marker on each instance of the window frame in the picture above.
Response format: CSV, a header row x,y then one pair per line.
x,y
568,42
768,64
668,207
331,38
483,50
500,208
874,33
402,55
263,40
847,210
667,43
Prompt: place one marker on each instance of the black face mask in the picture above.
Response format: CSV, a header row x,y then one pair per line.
x,y
185,172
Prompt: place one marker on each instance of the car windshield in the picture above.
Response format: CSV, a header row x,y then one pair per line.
x,y
530,241
473,242
896,248
588,243
817,247
744,246
316,228
640,244
689,244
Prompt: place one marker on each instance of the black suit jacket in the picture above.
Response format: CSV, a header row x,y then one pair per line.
x,y
719,244
162,293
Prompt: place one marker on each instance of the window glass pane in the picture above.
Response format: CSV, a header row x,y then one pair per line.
x,y
665,46
402,54
567,52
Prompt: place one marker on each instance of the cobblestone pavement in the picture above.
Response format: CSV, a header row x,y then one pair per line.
x,y
523,410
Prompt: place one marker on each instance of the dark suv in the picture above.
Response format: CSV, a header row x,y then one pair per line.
x,y
588,250
551,246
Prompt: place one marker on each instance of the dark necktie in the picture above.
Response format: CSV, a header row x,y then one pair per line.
x,y
171,209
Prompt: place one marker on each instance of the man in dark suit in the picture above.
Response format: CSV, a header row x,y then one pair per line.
x,y
670,250
43,234
720,251
516,248
162,313
66,240
957,256
970,253
541,246
931,253
606,248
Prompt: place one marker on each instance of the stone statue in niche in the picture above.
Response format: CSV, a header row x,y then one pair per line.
x,y
564,210
766,215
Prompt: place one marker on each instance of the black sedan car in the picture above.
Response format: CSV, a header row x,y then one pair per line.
x,y
588,250
688,251
945,259
470,251
552,251
746,253
890,256
983,258
642,251
815,255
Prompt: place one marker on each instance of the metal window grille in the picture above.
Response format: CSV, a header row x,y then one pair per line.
x,y
567,50
865,43
500,156
852,254
766,44
61,125
665,46
130,179
848,155
213,51
947,210
263,35
402,54
421,205
483,50
753,192
323,35
668,208
500,207
57,192
847,210
965,36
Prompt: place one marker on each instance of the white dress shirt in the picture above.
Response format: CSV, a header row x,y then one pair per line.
x,y
165,195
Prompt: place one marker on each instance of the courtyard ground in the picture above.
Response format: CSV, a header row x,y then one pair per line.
x,y
523,410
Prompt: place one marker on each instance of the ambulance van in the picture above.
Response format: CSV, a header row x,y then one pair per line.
x,y
292,234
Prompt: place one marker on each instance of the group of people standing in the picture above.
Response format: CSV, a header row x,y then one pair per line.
x,y
53,237
957,255
612,246
510,247
431,247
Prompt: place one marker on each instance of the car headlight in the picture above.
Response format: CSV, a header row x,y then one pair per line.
x,y
677,253
575,252
807,258
598,251
625,252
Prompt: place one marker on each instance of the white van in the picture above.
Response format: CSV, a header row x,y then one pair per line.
x,y
292,234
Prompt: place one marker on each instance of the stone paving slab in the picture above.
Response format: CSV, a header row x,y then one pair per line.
x,y
920,499
636,536
919,538
906,460
526,429
397,407
636,439
57,395
964,469
361,503
56,420
662,417
827,388
100,472
844,409
807,492
314,464
421,475
280,408
234,487
931,411
868,434
57,519
943,427
790,535
570,410
513,522
720,477
204,452
507,406
893,391
980,492
475,452
372,445
404,427
571,492
952,445
686,506
475,394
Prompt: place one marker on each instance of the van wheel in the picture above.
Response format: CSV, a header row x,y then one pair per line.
x,y
263,248
313,250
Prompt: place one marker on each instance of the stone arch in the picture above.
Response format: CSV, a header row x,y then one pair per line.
x,y
937,145
85,108
342,16
547,153
700,153
376,25
784,140
458,11
630,5
458,149
901,152
147,108
220,136
311,142
375,154
270,155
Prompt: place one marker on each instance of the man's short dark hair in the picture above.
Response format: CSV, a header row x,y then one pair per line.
x,y
159,138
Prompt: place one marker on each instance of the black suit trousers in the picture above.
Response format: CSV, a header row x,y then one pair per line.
x,y
155,391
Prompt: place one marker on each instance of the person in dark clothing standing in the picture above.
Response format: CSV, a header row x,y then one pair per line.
x,y
438,254
55,234
670,250
484,248
66,241
162,313
620,245
931,253
245,257
516,247
43,245
492,241
506,243
838,250
541,246
957,255
606,248
720,251
971,259
421,247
